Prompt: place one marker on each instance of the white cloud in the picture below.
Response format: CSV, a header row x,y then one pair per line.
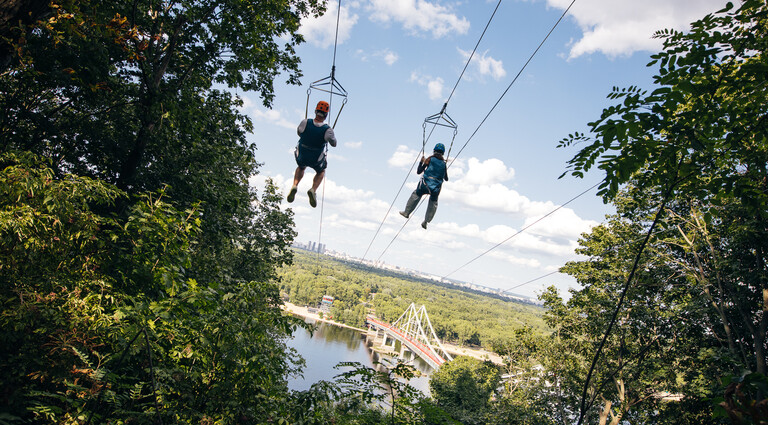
x,y
564,223
480,187
273,117
487,172
469,230
403,157
485,65
619,28
497,233
512,259
353,145
434,85
321,31
346,224
387,56
419,16
259,114
355,207
390,57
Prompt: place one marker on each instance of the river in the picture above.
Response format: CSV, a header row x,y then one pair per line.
x,y
330,345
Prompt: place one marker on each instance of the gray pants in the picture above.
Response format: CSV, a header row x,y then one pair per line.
x,y
420,191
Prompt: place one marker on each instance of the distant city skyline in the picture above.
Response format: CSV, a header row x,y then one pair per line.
x,y
311,245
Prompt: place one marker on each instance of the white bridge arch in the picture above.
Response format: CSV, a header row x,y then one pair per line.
x,y
415,332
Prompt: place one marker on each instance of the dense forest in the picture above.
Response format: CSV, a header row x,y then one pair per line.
x,y
140,273
460,316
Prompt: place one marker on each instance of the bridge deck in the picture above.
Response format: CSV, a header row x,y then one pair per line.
x,y
424,351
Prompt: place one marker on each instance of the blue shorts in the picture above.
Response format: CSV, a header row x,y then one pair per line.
x,y
312,158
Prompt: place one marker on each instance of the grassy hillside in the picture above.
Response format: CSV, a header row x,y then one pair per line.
x,y
458,315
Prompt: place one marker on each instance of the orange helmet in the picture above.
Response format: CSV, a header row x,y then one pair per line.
x,y
323,106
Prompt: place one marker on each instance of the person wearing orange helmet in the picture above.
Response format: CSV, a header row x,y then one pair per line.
x,y
314,134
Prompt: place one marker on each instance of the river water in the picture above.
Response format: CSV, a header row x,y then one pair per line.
x,y
329,345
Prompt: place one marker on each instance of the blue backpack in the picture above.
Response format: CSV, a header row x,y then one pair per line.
x,y
433,175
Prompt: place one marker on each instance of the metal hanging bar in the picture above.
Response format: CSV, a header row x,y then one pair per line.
x,y
441,118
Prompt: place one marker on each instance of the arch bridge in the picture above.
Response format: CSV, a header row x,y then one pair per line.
x,y
415,333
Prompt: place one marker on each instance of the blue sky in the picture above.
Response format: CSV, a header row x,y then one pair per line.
x,y
399,61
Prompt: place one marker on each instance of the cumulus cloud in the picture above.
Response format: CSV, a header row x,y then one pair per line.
x,y
419,16
403,157
619,28
529,243
355,207
353,145
485,65
434,85
487,172
321,31
564,223
480,186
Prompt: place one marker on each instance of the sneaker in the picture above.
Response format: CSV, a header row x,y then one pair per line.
x,y
424,224
292,194
404,214
312,199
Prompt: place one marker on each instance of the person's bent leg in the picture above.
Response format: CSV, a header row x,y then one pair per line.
x,y
413,201
312,193
297,176
317,180
431,208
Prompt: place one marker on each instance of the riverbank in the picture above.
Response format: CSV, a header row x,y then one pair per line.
x,y
454,350
304,312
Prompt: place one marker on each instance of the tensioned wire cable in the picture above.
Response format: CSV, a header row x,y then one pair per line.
x,y
330,101
473,51
401,229
424,143
523,229
603,252
515,79
530,58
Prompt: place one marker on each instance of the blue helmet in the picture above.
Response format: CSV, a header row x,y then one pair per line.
x,y
439,148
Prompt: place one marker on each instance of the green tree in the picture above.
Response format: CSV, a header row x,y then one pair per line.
x,y
480,318
82,341
660,346
695,147
463,387
126,93
532,386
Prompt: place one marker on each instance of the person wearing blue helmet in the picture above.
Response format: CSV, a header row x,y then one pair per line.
x,y
435,172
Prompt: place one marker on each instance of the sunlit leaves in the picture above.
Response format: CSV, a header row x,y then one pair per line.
x,y
706,118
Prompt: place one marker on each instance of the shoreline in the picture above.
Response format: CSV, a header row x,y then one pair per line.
x,y
477,353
